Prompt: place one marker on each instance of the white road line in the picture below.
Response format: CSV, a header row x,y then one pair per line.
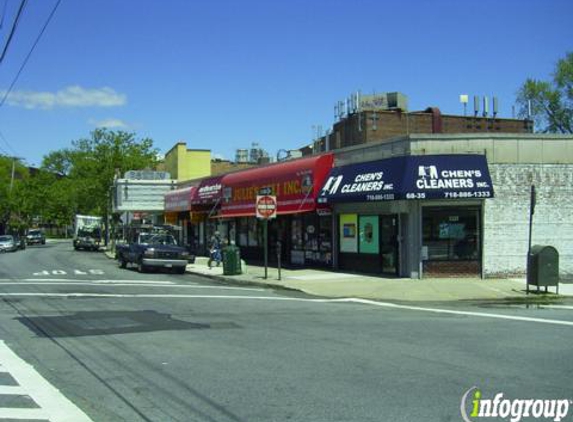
x,y
292,299
53,404
556,307
26,414
125,283
12,390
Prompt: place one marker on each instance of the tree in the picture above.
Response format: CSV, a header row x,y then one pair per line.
x,y
551,101
89,168
13,178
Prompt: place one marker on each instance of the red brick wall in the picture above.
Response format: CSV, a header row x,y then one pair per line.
x,y
451,269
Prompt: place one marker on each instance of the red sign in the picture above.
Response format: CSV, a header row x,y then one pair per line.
x,y
179,200
266,206
295,184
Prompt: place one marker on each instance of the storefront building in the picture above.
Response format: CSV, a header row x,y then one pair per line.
x,y
304,233
384,208
178,212
423,206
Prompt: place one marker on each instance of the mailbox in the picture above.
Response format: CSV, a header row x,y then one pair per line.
x,y
543,268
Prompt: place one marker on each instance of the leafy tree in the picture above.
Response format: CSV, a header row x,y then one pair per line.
x,y
13,179
89,168
551,101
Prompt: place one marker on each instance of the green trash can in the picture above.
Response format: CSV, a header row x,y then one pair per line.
x,y
231,260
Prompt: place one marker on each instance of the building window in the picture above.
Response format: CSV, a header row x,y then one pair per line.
x,y
452,234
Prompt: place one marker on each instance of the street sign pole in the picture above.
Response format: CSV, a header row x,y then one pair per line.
x,y
266,233
532,202
266,207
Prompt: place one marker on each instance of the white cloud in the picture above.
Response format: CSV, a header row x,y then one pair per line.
x,y
71,96
110,123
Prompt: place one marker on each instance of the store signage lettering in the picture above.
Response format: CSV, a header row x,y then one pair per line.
x,y
368,182
410,177
287,188
430,178
209,189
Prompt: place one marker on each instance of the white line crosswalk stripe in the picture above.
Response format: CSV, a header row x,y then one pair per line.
x,y
52,405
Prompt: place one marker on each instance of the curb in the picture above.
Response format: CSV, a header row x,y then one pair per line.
x,y
226,280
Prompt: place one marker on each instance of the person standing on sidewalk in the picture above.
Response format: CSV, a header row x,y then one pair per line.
x,y
215,249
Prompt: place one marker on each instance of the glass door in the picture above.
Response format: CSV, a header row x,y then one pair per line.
x,y
389,244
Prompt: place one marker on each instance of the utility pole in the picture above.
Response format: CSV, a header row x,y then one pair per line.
x,y
13,170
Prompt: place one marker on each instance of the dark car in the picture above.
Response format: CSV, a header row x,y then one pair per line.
x,y
153,251
35,237
20,241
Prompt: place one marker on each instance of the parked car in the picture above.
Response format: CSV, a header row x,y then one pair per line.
x,y
35,237
153,251
20,241
8,244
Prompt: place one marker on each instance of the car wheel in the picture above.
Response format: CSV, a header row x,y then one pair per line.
x,y
180,270
141,268
122,263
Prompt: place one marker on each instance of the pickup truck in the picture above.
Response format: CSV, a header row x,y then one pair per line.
x,y
153,251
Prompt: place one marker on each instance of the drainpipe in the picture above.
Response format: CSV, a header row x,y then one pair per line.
x,y
436,119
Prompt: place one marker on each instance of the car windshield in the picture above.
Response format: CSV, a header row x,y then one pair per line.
x,y
6,238
34,233
162,239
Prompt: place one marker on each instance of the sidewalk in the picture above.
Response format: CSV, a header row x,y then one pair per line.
x,y
337,284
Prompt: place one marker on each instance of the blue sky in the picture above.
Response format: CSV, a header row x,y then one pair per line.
x,y
220,75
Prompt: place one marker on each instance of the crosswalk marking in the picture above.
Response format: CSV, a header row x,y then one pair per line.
x,y
53,405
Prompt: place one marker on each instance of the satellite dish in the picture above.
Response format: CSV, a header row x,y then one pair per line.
x,y
283,155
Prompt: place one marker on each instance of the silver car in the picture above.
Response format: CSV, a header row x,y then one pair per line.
x,y
8,244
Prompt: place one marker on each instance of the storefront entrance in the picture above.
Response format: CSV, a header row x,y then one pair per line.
x,y
389,244
369,243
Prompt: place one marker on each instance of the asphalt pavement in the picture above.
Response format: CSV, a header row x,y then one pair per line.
x,y
114,345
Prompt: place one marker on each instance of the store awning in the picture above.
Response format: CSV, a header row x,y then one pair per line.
x,y
179,199
208,192
411,177
295,183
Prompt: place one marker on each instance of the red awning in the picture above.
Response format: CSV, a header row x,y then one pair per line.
x,y
296,184
179,199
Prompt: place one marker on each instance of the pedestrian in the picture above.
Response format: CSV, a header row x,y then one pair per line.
x,y
215,249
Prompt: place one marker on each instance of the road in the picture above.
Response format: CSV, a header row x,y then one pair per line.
x,y
82,340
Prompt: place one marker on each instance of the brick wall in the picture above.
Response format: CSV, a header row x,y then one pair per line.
x,y
361,128
506,217
453,269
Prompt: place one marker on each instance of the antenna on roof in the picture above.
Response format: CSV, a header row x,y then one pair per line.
x,y
476,105
464,101
485,106
495,107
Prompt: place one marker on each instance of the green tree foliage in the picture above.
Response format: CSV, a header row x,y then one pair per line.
x,y
14,176
90,165
551,101
73,180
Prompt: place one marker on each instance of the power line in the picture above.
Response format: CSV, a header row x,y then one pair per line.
x,y
30,53
3,13
7,144
13,30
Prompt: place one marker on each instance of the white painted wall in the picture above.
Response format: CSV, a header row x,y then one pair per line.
x,y
506,219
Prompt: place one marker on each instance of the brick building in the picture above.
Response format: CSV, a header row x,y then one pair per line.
x,y
375,123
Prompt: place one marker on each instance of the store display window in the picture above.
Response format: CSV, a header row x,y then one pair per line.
x,y
452,234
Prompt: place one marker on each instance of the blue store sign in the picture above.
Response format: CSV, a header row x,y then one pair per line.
x,y
411,177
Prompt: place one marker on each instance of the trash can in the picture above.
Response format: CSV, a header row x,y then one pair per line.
x,y
231,260
543,268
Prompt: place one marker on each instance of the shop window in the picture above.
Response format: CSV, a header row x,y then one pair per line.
x,y
369,232
452,233
296,233
348,233
243,231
